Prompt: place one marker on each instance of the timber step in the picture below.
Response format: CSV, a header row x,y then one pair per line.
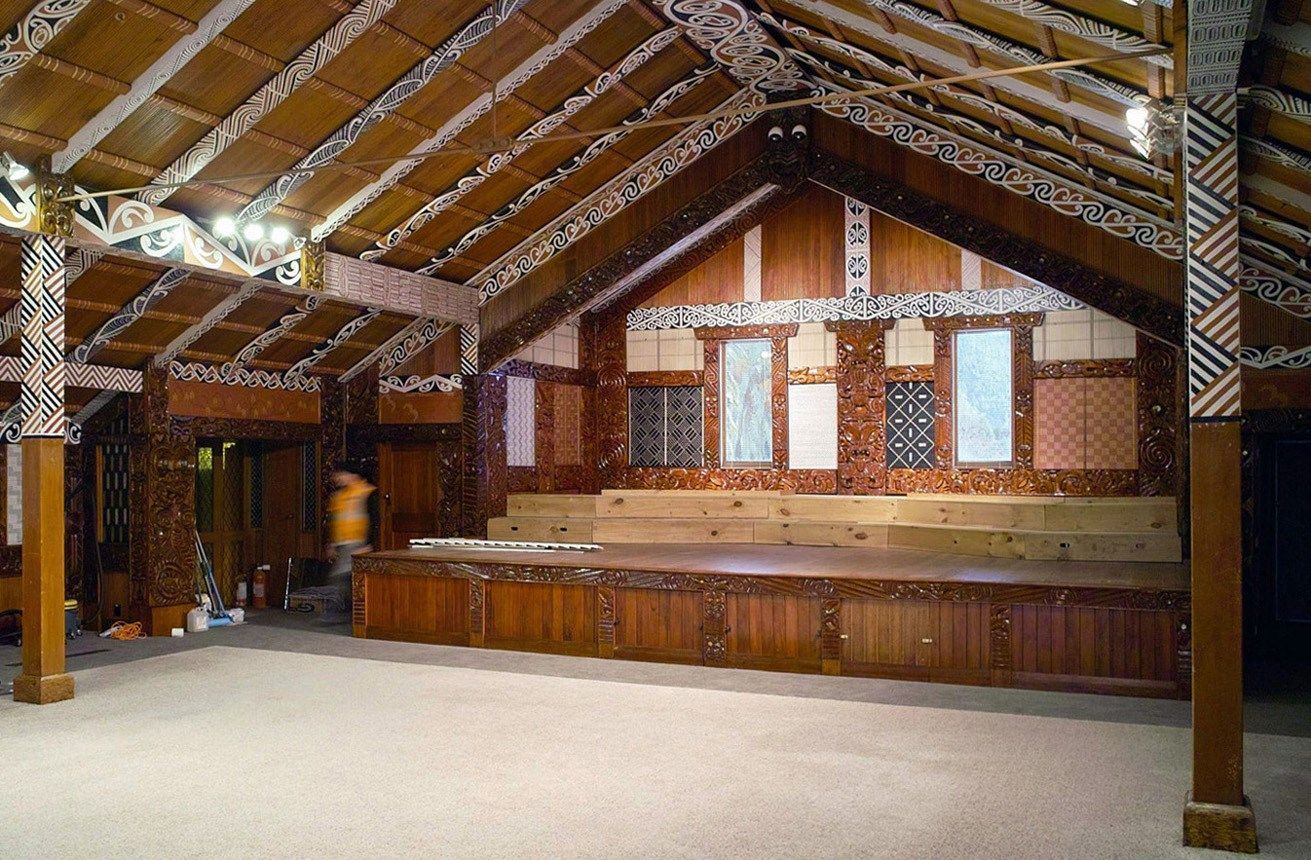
x,y
1036,527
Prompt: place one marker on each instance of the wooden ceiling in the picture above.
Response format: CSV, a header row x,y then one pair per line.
x,y
123,93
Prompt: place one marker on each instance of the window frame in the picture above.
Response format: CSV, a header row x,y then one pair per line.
x,y
721,394
1008,463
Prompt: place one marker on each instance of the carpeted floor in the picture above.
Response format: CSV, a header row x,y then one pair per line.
x,y
235,751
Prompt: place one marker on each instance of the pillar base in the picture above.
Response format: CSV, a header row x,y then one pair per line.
x,y
1220,826
43,689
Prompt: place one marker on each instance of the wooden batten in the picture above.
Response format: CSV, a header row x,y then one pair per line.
x,y
546,505
683,507
823,509
821,534
632,530
540,529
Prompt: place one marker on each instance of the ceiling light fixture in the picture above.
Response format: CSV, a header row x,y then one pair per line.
x,y
225,227
1155,128
253,231
12,168
280,234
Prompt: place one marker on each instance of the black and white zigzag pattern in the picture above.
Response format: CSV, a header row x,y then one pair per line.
x,y
41,398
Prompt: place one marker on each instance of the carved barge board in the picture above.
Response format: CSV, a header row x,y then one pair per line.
x,y
1124,640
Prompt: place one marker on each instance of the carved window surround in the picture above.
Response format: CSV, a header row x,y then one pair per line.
x,y
909,373
1091,368
813,375
712,339
746,332
664,378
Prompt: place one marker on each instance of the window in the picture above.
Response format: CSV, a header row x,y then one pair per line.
x,y
984,410
746,418
664,426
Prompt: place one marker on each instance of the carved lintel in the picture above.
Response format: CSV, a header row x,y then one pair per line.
x,y
664,378
1029,320
746,332
1087,368
910,373
813,375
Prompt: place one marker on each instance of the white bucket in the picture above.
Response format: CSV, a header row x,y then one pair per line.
x,y
197,620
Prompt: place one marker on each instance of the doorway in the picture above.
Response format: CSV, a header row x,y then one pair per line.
x,y
410,494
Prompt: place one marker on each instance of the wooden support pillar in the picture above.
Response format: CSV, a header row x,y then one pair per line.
x,y
1217,814
43,679
862,440
483,442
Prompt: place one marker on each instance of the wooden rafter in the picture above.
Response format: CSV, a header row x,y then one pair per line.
x,y
24,41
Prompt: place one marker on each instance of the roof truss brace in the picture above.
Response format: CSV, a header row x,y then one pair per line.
x,y
442,58
508,83
153,293
570,106
337,39
215,316
571,166
147,83
1286,292
1140,309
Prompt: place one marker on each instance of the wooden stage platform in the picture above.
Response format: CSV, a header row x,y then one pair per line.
x,y
881,612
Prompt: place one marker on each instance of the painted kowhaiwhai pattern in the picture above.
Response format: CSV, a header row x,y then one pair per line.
x,y
549,123
148,82
732,37
341,36
324,349
194,371
1007,300
41,397
1278,288
411,344
1087,29
1025,180
856,241
33,32
1211,160
152,295
215,316
419,384
381,107
1282,357
285,323
569,167
506,85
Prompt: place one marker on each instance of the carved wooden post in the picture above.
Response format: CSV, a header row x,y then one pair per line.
x,y
611,405
1217,814
713,629
43,679
544,431
830,636
483,439
1022,391
862,439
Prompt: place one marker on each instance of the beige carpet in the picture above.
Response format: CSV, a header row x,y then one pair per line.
x,y
227,752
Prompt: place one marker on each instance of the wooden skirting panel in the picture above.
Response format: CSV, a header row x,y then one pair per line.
x,y
1107,640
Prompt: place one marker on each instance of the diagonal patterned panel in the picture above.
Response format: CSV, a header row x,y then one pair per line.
x,y
910,425
683,426
646,426
41,398
1211,160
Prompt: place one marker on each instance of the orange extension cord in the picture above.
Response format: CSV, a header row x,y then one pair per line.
x,y
125,631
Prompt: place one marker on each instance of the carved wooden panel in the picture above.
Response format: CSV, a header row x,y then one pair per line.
x,y
910,373
1016,482
1085,368
710,404
778,399
1022,393
714,651
1159,420
746,332
611,398
812,375
544,433
816,481
665,378
483,442
581,375
241,402
862,440
944,429
553,617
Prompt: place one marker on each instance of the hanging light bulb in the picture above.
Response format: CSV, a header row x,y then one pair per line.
x,y
225,227
12,168
280,234
253,231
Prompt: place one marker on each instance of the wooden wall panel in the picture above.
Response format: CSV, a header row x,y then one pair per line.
x,y
420,608
927,640
715,281
906,260
552,617
441,356
658,625
801,251
206,400
1093,642
772,631
434,407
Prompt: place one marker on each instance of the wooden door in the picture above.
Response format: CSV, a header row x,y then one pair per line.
x,y
656,624
222,511
918,639
283,510
410,493
772,631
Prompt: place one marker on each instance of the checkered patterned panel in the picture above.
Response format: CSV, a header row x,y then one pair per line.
x,y
1059,423
910,425
1112,424
646,422
683,426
